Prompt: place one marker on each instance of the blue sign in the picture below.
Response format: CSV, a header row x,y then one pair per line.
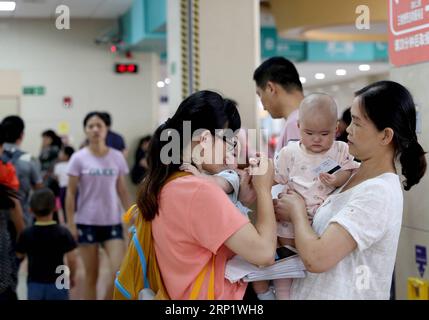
x,y
332,51
273,45
320,51
421,259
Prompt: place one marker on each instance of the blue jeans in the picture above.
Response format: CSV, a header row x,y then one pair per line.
x,y
46,291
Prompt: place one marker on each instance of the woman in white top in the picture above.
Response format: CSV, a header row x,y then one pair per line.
x,y
350,249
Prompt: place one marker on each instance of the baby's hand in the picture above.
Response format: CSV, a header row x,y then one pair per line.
x,y
187,167
328,179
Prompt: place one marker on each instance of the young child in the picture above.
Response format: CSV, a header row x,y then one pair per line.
x,y
225,176
60,172
45,244
303,166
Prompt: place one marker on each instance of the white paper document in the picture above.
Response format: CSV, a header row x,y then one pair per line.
x,y
239,269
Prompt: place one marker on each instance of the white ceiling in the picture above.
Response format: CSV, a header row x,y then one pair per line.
x,y
309,69
93,9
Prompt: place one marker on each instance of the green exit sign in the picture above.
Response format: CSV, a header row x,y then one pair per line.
x,y
34,91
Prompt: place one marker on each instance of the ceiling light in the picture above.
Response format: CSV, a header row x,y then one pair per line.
x,y
160,84
167,80
364,67
341,72
7,5
302,79
319,76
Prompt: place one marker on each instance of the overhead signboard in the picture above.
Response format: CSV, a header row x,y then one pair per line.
x,y
408,31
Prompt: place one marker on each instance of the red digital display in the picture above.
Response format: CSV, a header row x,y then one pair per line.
x,y
126,68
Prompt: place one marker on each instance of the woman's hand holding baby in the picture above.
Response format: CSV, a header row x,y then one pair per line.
x,y
289,205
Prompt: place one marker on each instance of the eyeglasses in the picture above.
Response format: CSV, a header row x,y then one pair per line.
x,y
231,142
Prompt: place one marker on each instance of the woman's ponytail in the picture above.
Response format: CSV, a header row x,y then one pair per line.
x,y
413,163
157,174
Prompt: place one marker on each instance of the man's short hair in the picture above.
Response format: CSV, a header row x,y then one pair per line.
x,y
278,70
13,127
42,202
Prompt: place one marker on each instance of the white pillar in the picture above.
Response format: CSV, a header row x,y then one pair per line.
x,y
415,223
230,52
222,42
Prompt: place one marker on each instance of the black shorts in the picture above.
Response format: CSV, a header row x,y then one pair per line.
x,y
89,234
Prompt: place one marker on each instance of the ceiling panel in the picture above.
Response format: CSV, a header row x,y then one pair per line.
x,y
111,9
309,69
78,8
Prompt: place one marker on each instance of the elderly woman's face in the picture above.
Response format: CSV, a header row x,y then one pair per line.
x,y
363,137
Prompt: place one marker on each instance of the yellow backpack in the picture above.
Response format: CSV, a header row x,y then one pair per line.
x,y
139,276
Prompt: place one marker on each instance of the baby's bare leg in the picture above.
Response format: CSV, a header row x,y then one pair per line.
x,y
263,290
260,286
282,287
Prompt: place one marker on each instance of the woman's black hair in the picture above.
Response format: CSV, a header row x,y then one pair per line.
x,y
347,116
56,140
204,110
390,105
144,139
91,114
234,119
68,151
2,135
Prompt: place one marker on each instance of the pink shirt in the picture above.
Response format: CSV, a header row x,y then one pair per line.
x,y
195,219
294,167
290,132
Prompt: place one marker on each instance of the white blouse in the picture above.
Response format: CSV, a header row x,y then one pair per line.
x,y
372,213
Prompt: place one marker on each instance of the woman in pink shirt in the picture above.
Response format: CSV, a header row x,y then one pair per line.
x,y
192,218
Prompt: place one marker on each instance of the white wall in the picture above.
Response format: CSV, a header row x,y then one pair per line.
x,y
68,63
343,92
415,224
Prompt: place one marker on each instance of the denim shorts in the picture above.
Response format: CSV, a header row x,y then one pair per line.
x,y
46,291
89,234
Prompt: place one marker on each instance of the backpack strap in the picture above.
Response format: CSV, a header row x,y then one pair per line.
x,y
12,155
211,293
142,259
199,282
175,175
121,289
